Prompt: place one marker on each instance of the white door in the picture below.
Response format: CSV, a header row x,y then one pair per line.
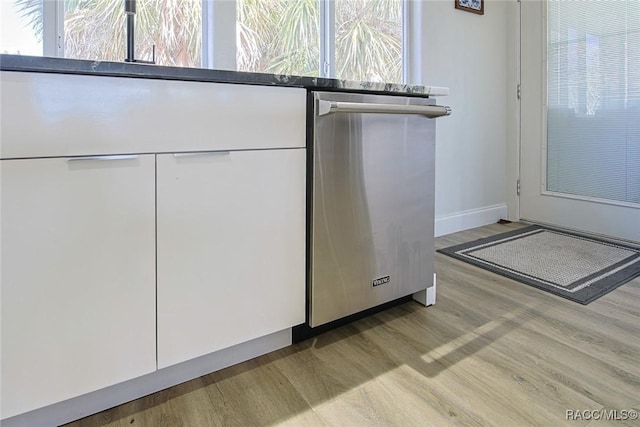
x,y
588,180
231,245
78,277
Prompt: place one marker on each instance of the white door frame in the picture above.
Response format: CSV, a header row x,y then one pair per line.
x,y
513,109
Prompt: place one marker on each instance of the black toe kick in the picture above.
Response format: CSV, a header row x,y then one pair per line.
x,y
304,331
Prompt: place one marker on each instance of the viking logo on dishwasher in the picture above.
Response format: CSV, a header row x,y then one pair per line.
x,y
381,281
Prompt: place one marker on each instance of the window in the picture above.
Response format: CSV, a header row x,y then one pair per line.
x,y
348,39
96,29
21,32
593,97
369,40
278,36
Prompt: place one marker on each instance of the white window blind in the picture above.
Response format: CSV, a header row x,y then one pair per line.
x,y
593,98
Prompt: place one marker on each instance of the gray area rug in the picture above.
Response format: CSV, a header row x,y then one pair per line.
x,y
572,266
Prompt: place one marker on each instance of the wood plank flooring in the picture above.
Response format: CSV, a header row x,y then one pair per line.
x,y
490,352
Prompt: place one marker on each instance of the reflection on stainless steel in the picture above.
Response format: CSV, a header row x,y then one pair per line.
x,y
373,203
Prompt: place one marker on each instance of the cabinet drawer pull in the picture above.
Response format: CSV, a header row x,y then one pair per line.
x,y
202,153
103,158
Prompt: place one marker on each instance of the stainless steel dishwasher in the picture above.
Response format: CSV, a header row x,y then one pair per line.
x,y
372,203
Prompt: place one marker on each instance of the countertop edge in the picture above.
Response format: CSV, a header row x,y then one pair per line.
x,y
41,64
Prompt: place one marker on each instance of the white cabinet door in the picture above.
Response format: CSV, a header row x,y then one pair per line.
x,y
231,251
78,277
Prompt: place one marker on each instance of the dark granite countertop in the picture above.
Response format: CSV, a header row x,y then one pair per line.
x,y
43,64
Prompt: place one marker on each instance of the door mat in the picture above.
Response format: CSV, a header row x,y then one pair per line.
x,y
572,266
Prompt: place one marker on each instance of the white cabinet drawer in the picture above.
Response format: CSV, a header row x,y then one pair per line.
x,y
61,115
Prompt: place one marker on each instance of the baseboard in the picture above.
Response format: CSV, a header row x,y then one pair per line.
x,y
465,220
97,401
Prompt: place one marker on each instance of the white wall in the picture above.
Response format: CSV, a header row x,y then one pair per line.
x,y
468,53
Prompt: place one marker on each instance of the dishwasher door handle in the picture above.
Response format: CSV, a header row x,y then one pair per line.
x,y
431,111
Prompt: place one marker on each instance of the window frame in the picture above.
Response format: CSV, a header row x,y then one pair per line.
x,y
53,28
219,36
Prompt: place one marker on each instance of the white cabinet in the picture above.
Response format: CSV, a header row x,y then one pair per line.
x,y
79,238
231,245
78,277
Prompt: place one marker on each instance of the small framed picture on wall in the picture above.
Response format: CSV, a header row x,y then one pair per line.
x,y
475,6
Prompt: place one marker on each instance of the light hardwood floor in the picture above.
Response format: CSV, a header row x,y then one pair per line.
x,y
490,352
